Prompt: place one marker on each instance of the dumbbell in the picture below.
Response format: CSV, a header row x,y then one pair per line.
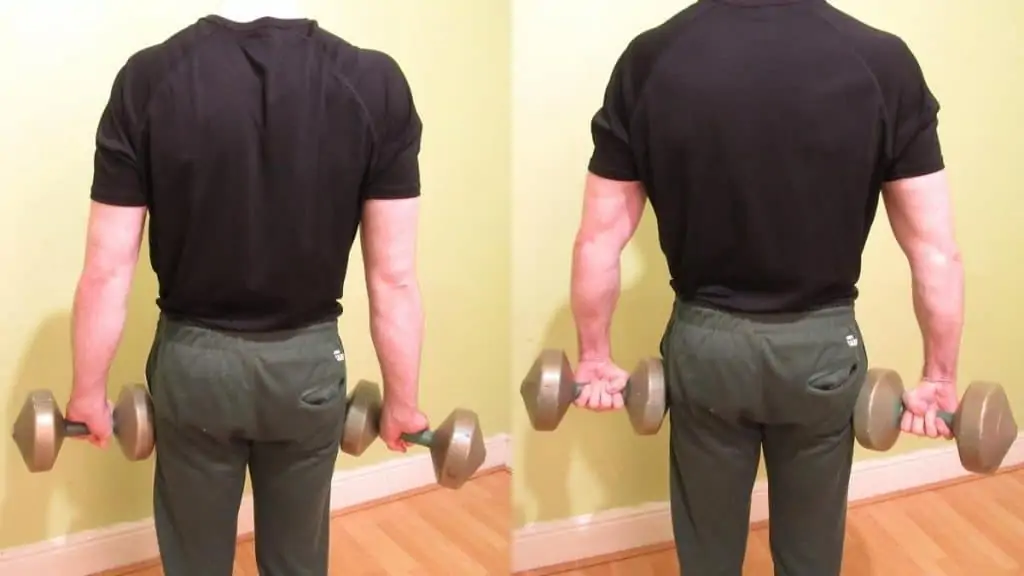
x,y
549,388
983,425
40,429
456,446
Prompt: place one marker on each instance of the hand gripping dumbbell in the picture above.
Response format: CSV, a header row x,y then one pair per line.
x,y
549,388
40,428
983,425
456,446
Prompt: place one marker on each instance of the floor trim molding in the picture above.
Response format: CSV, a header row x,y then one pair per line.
x,y
129,543
563,542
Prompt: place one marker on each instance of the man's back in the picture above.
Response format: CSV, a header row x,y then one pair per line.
x,y
258,144
762,131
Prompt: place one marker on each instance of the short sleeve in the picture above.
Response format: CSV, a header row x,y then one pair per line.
x,y
394,170
914,148
613,156
117,175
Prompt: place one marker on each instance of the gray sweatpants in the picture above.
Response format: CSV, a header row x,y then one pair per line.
x,y
226,402
738,384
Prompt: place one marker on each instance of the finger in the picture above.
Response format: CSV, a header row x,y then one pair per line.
x,y
918,426
584,397
618,401
606,398
929,424
943,429
906,421
388,441
594,399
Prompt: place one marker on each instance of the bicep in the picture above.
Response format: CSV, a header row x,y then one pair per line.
x,y
612,210
388,232
113,239
920,212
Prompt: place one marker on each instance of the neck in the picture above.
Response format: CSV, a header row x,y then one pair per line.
x,y
249,10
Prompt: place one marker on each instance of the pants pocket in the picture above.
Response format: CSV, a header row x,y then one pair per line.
x,y
841,362
814,373
302,391
326,385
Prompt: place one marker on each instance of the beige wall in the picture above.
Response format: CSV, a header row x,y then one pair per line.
x,y
503,166
59,58
563,55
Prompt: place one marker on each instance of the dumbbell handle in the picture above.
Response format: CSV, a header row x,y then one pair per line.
x,y
946,417
74,429
424,438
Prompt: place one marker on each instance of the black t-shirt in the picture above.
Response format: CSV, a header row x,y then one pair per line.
x,y
762,131
254,147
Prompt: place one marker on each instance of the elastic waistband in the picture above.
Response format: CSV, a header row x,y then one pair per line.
x,y
186,332
708,316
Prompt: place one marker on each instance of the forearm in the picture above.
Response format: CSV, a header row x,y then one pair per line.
x,y
938,286
596,283
98,317
396,328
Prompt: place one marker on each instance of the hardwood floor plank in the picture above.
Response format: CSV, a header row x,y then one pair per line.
x,y
971,528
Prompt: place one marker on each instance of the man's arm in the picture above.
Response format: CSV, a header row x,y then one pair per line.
x,y
921,215
101,299
388,238
611,214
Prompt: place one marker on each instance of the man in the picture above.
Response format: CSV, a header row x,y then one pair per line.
x,y
762,132
257,149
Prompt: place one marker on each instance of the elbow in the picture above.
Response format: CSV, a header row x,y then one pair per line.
x,y
384,284
96,275
930,260
596,250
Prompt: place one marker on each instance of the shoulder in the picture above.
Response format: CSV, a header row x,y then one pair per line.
x,y
648,49
366,70
145,70
886,54
375,79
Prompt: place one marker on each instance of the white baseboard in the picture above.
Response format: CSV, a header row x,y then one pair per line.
x,y
561,541
107,548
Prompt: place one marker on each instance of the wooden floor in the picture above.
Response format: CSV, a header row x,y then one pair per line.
x,y
973,528
438,532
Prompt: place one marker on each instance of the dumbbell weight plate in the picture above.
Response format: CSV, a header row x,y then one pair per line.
x,y
646,397
133,422
457,448
984,427
38,431
548,389
362,418
876,416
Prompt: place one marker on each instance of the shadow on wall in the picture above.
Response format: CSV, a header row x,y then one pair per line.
x,y
621,464
86,488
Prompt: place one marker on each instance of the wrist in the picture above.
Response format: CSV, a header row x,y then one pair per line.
x,y
940,376
87,392
592,349
399,400
596,355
